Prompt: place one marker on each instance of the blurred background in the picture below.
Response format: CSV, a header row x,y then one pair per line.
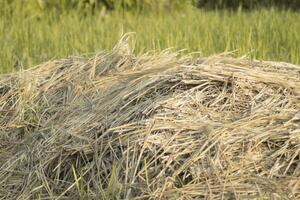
x,y
34,31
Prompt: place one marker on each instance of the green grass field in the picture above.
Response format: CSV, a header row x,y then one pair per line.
x,y
39,36
119,125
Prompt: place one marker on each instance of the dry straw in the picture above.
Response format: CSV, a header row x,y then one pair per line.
x,y
119,126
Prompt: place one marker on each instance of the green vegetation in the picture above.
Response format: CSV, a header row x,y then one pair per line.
x,y
118,125
248,4
32,35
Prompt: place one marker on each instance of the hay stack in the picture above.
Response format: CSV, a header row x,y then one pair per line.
x,y
117,126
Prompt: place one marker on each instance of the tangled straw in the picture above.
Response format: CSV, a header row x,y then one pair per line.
x,y
119,126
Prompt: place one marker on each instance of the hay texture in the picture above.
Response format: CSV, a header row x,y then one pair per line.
x,y
119,126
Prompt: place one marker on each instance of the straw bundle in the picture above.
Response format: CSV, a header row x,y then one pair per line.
x,y
118,126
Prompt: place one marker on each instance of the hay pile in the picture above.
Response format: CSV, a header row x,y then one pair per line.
x,y
117,126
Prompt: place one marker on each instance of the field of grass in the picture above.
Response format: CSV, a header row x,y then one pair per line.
x,y
119,125
34,37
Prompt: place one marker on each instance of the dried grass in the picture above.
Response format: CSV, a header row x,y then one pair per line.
x,y
117,126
